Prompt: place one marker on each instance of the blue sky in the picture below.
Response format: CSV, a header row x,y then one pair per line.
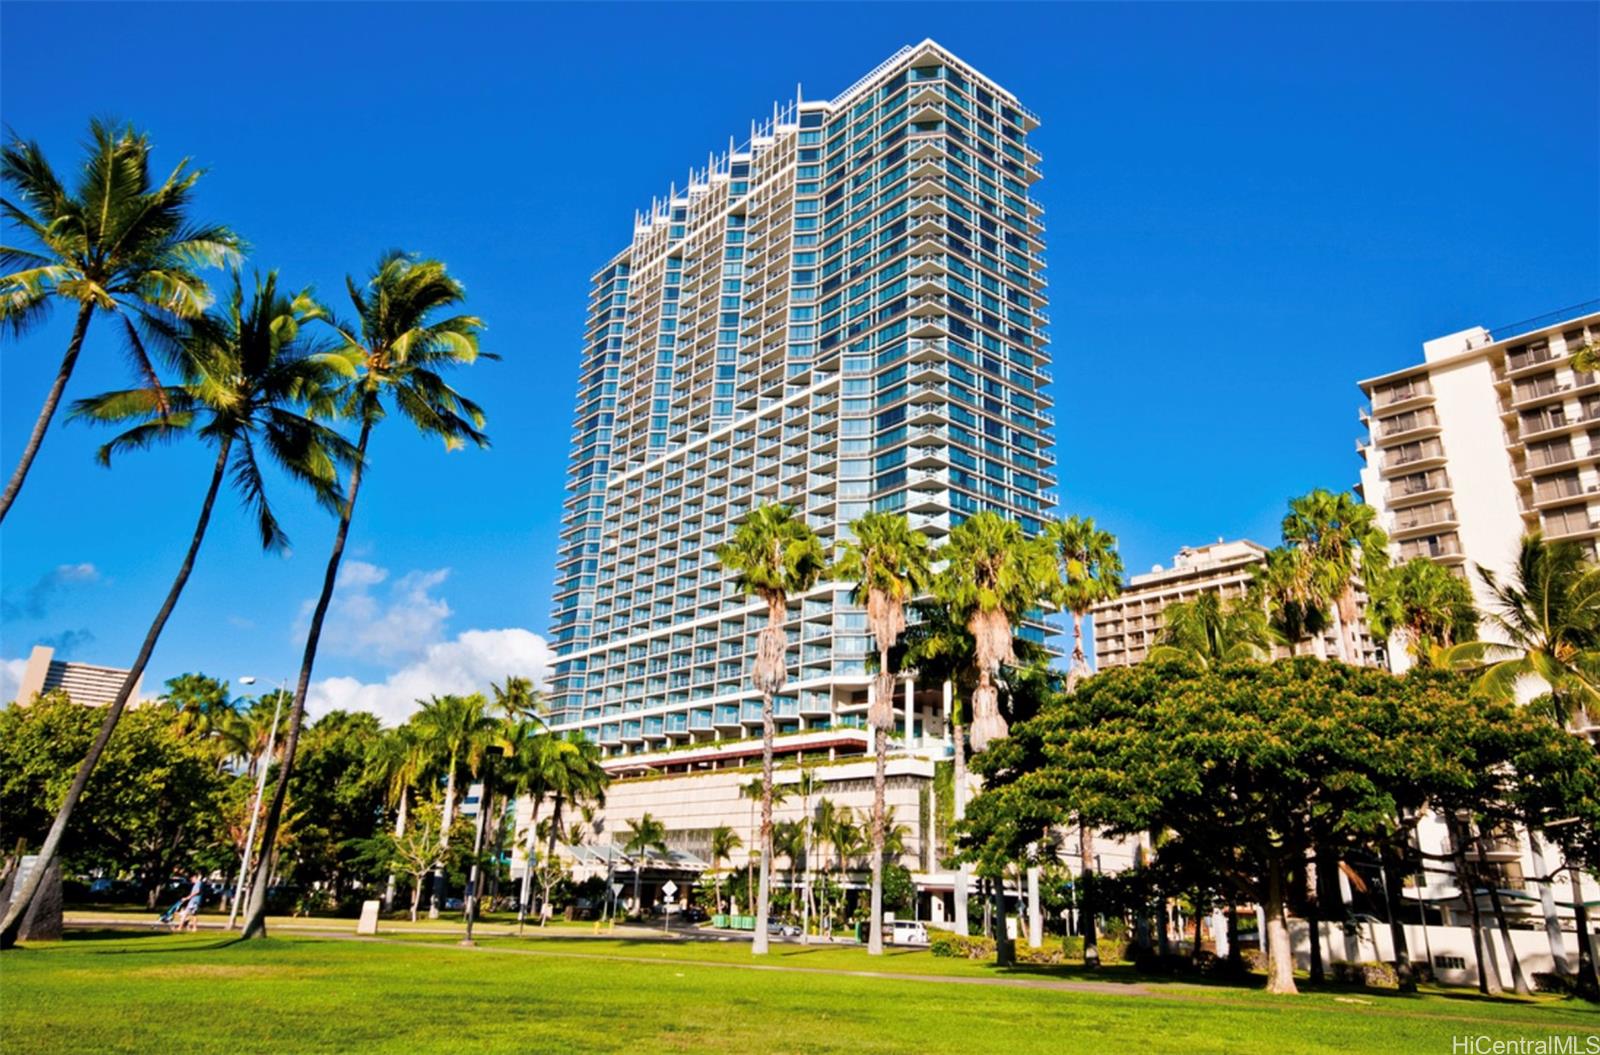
x,y
1250,207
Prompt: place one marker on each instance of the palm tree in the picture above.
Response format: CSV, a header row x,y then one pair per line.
x,y
889,564
1427,604
395,762
643,835
1549,612
458,730
197,702
249,380
1208,631
940,649
535,759
396,353
1090,570
789,840
576,777
517,699
806,787
1293,598
1345,545
724,840
115,244
993,575
773,555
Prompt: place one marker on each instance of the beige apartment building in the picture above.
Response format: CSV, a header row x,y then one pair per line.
x,y
85,683
1126,627
1492,435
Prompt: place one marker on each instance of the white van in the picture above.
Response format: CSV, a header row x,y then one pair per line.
x,y
909,932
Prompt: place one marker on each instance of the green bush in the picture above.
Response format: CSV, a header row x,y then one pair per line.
x,y
1048,953
957,946
1369,975
1112,950
1550,982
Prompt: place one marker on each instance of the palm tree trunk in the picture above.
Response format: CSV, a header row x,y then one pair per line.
x,y
1588,977
436,898
881,746
20,901
1488,981
52,400
255,925
875,922
1518,982
758,944
959,791
550,855
1080,662
399,830
527,866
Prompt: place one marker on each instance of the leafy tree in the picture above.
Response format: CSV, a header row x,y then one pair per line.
x,y
422,848
1090,570
774,555
249,379
1241,767
116,244
574,777
151,807
889,564
1209,631
395,353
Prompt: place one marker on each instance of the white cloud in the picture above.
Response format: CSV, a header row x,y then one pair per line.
x,y
466,664
399,622
11,678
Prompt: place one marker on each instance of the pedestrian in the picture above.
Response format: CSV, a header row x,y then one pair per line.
x,y
189,917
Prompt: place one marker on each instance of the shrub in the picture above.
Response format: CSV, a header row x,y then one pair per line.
x,y
1369,975
961,947
1254,959
1048,953
1550,982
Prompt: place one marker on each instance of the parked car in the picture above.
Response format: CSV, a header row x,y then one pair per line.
x,y
909,932
694,914
781,929
453,904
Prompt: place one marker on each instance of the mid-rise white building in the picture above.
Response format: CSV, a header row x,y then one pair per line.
x,y
1492,435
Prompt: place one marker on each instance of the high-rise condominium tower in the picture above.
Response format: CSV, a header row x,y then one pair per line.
x,y
843,314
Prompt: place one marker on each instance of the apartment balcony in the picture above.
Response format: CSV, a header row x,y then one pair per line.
x,y
1533,395
1398,462
1529,361
1551,497
1412,523
727,717
1413,495
1396,399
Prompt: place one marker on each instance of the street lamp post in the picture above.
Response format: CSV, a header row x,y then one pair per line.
x,y
255,812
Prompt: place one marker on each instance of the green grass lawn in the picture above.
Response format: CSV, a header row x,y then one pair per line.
x,y
115,992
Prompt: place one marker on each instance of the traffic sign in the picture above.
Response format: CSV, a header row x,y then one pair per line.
x,y
616,889
670,889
